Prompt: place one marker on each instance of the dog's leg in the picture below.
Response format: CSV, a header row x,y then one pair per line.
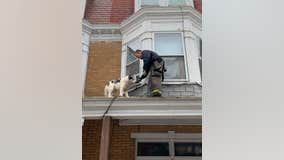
x,y
121,92
126,94
106,91
110,91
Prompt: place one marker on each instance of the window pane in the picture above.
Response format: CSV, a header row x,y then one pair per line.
x,y
132,68
188,149
175,67
153,149
130,55
176,2
150,2
168,43
200,66
200,47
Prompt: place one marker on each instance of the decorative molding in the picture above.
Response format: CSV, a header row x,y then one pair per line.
x,y
143,108
169,135
102,32
161,13
86,26
105,37
197,120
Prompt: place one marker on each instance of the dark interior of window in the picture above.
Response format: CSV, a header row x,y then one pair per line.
x,y
153,149
188,149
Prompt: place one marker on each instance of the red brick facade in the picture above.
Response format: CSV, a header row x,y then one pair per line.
x,y
122,145
115,11
198,5
108,11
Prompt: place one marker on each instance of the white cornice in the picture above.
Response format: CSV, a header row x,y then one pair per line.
x,y
197,120
100,26
105,37
112,32
169,135
86,26
143,108
102,32
162,13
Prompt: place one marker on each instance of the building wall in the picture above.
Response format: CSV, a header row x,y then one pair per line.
x,y
122,145
198,5
104,63
172,90
91,134
108,11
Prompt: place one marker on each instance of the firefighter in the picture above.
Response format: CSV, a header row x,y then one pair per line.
x,y
154,65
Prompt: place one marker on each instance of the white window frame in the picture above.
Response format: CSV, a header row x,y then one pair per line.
x,y
161,3
199,54
169,81
170,137
126,63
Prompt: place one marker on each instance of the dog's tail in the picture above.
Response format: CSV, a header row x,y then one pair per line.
x,y
105,91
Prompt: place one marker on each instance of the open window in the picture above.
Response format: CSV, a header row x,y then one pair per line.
x,y
132,63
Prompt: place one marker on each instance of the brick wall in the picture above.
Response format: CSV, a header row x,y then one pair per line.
x,y
104,64
108,11
115,11
198,5
121,9
122,146
91,134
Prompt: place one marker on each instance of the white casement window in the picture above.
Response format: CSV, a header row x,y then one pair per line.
x,y
85,52
199,48
150,2
132,63
170,46
83,3
176,2
144,3
167,146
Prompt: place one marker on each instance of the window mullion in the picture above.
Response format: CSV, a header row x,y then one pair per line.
x,y
172,149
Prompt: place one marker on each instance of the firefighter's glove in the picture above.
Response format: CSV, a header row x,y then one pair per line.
x,y
138,79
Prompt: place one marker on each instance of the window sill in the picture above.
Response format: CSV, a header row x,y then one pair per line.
x,y
181,82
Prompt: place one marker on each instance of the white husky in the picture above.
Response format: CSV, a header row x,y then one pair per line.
x,y
121,85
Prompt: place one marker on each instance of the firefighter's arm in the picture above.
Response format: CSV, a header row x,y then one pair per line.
x,y
146,69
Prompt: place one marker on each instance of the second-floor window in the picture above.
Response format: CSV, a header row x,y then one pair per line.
x,y
163,2
149,2
170,47
199,47
132,63
132,66
176,2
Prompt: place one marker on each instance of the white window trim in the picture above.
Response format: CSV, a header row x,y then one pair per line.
x,y
173,81
125,63
161,3
170,137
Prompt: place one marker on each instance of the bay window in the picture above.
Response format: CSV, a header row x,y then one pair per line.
x,y
170,47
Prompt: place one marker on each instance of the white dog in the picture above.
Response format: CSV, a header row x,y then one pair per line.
x,y
120,85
